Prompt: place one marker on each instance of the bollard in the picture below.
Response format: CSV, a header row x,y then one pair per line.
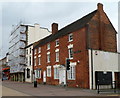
x,y
98,89
114,86
35,83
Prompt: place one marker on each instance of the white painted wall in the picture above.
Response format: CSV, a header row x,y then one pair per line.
x,y
103,61
28,65
35,33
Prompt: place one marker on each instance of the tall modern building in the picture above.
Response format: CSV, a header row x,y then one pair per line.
x,y
16,60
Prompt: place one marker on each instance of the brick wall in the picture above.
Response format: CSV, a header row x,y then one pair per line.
x,y
98,34
101,32
79,44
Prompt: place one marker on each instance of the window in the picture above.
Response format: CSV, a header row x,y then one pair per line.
x,y
30,50
39,60
39,49
71,73
48,46
48,71
38,73
35,61
70,53
57,42
27,61
48,57
27,51
35,51
28,73
56,73
70,37
57,56
30,60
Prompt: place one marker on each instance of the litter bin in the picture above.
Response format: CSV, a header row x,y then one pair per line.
x,y
35,83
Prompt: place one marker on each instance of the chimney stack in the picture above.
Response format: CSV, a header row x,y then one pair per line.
x,y
37,25
100,7
54,28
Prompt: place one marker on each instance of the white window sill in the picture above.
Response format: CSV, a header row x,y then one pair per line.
x,y
48,49
56,78
71,79
56,45
48,76
70,58
70,40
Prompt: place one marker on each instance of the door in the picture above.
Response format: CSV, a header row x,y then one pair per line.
x,y
44,76
117,79
103,78
62,76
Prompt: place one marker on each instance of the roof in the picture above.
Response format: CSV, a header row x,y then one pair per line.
x,y
28,46
80,23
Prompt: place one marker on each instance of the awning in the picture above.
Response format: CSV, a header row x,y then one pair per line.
x,y
7,68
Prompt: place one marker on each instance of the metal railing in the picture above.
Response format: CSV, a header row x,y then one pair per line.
x,y
113,87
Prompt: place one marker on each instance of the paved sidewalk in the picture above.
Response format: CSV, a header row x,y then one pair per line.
x,y
49,90
10,92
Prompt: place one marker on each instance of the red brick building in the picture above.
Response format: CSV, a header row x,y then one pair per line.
x,y
73,41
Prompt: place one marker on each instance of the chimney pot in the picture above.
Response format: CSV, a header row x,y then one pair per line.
x,y
54,28
100,6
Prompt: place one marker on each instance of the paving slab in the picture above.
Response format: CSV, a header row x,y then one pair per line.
x,y
50,90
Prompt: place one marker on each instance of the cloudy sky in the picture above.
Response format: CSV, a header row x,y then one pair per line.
x,y
45,13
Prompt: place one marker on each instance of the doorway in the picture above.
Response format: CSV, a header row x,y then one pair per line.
x,y
44,77
62,76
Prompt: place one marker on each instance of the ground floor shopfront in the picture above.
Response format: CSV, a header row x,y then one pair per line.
x,y
103,68
17,77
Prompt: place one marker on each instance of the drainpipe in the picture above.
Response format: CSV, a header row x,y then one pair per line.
x,y
92,67
88,46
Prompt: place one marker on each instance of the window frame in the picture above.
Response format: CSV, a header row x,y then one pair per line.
x,y
39,50
39,59
48,57
35,63
26,51
35,52
30,51
71,73
56,72
48,46
28,73
70,50
38,73
57,43
69,38
27,60
57,56
30,63
48,71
